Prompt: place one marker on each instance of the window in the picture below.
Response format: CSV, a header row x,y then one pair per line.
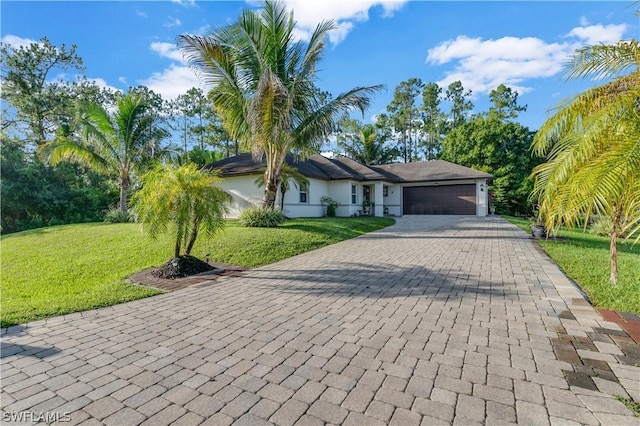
x,y
304,191
354,194
385,191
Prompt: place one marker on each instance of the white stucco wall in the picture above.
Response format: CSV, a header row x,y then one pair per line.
x,y
482,197
393,200
245,192
312,208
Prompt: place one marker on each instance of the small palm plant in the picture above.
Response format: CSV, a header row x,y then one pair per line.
x,y
182,199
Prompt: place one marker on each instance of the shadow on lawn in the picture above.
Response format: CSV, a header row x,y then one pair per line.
x,y
589,241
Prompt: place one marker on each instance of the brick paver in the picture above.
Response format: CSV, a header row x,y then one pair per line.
x,y
458,320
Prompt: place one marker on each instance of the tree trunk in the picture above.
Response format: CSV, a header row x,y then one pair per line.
x,y
193,236
124,186
270,187
270,190
613,248
283,190
176,249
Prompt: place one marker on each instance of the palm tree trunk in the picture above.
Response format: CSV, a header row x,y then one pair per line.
x,y
176,249
283,190
193,236
124,186
270,183
613,248
271,188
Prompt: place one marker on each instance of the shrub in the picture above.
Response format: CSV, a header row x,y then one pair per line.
x,y
115,215
602,227
331,204
260,217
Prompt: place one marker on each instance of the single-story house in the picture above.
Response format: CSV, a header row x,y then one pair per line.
x,y
420,188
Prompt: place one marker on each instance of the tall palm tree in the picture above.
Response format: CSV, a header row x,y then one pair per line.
x,y
264,86
592,144
370,149
118,143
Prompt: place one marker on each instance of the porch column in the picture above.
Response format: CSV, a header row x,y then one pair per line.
x,y
378,199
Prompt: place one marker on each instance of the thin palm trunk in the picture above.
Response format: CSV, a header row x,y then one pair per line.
x,y
176,249
193,236
613,247
283,190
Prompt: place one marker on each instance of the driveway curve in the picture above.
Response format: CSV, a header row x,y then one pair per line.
x,y
435,320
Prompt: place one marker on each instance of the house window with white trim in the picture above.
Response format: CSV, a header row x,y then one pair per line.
x,y
354,194
304,194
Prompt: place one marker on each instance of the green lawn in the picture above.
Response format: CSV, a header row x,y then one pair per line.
x,y
585,258
71,268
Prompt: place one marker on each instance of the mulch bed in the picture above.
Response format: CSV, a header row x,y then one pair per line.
x,y
149,277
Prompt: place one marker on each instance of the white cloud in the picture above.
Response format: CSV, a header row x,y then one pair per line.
x,y
173,22
584,21
17,42
142,14
167,50
597,34
102,83
308,14
481,65
172,81
123,80
185,3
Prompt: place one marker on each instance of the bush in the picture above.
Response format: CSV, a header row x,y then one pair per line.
x,y
602,227
331,204
260,217
117,216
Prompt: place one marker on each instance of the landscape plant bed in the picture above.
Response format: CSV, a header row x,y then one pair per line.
x,y
585,259
64,269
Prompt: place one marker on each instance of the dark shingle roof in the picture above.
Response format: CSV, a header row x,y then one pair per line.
x,y
431,170
246,164
320,167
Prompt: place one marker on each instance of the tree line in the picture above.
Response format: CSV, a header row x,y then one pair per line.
x,y
417,127
40,110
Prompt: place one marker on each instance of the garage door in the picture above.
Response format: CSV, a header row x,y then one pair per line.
x,y
446,199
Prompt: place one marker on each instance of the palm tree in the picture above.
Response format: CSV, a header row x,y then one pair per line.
x,y
118,144
183,199
592,144
370,149
264,86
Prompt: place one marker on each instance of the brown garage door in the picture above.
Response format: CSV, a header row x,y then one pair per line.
x,y
446,199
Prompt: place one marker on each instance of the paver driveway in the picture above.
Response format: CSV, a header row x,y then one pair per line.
x,y
434,320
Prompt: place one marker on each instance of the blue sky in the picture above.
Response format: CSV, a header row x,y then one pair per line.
x,y
483,44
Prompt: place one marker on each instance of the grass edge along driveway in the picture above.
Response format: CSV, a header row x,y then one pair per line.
x,y
71,268
585,259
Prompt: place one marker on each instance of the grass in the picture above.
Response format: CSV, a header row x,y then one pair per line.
x,y
71,268
585,259
631,405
